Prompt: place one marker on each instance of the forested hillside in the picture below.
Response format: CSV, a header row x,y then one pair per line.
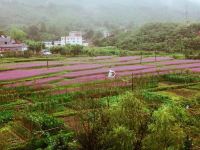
x,y
167,37
92,13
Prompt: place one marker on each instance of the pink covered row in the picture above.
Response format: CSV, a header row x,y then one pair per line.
x,y
18,74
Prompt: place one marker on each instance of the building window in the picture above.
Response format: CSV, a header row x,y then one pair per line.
x,y
6,43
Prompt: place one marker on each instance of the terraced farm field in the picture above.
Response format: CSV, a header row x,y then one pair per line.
x,y
65,73
38,101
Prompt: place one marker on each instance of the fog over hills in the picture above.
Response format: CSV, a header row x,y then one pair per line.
x,y
92,13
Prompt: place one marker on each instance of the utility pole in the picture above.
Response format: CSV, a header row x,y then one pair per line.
x,y
141,53
155,55
47,61
141,57
187,20
186,13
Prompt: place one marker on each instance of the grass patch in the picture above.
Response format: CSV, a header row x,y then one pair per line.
x,y
65,113
186,93
172,95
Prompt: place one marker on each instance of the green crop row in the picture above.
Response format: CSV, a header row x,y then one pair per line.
x,y
42,121
181,78
152,96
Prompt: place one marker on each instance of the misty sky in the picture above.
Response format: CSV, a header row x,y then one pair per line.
x,y
195,1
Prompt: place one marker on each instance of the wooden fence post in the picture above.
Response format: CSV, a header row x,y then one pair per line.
x,y
132,82
47,62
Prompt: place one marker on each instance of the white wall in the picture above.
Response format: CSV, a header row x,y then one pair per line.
x,y
73,40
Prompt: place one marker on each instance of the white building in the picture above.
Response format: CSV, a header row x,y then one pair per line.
x,y
74,38
106,34
57,43
48,44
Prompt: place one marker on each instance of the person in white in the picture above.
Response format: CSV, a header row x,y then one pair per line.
x,y
111,74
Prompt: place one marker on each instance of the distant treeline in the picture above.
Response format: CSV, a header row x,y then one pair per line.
x,y
46,32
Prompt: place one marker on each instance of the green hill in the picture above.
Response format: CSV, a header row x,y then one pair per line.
x,y
94,13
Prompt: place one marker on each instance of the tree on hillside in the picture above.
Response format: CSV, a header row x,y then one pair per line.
x,y
17,34
89,34
43,27
33,32
34,46
54,30
167,37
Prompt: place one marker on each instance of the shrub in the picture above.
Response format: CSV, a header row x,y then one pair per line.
x,y
76,50
35,46
105,51
28,54
73,50
6,116
56,49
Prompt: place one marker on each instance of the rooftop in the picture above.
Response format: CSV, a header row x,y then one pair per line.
x,y
12,45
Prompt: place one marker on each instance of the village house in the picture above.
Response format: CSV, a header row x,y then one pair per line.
x,y
74,38
8,44
106,34
56,43
48,44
